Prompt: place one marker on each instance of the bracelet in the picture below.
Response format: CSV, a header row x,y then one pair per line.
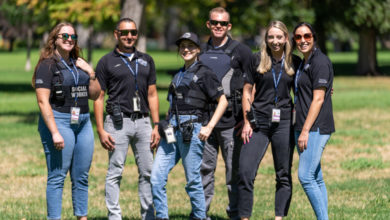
x,y
92,78
156,123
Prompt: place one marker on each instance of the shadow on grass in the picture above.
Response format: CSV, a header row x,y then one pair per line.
x,y
348,69
171,217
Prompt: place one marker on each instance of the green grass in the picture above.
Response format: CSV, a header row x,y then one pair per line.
x,y
356,161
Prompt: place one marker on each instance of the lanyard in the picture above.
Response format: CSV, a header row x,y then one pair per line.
x,y
182,72
76,76
297,75
276,82
132,71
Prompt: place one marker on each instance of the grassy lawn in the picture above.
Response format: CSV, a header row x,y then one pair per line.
x,y
356,162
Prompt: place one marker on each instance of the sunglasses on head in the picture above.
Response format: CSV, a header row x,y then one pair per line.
x,y
65,36
298,37
133,32
222,23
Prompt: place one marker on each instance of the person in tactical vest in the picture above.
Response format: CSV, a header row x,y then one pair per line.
x,y
227,58
187,127
129,77
63,84
268,119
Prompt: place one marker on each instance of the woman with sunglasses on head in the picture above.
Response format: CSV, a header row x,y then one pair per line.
x,y
184,135
63,83
314,115
267,117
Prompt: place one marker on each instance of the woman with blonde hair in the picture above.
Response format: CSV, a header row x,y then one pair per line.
x,y
268,118
63,84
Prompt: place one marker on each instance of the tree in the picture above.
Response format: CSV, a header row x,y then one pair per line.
x,y
135,9
369,18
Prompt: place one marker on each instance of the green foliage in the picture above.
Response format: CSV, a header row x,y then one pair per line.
x,y
370,14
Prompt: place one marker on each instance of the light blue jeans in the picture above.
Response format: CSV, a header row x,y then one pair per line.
x,y
310,173
76,157
166,158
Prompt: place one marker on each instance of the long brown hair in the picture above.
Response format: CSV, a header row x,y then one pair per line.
x,y
265,57
49,49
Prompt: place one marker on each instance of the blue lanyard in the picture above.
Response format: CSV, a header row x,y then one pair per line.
x,y
132,71
276,82
297,75
182,72
76,76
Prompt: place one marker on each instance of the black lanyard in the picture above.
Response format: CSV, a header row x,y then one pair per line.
x,y
132,71
276,81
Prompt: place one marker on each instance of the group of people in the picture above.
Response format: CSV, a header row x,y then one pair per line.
x,y
224,98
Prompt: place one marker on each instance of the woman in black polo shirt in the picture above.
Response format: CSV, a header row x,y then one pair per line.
x,y
272,74
314,115
63,84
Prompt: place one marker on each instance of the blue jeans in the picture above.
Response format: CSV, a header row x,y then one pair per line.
x,y
166,158
310,173
76,157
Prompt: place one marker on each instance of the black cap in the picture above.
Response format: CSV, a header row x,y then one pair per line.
x,y
189,36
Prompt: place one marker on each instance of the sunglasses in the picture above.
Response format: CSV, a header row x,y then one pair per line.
x,y
65,36
298,37
222,23
133,32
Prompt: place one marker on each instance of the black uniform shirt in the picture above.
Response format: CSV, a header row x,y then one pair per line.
x,y
207,82
240,54
264,100
117,79
317,72
51,71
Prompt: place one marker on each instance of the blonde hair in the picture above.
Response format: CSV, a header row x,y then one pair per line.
x,y
265,51
219,10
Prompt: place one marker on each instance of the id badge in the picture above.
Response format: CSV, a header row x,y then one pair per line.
x,y
294,116
137,103
170,135
275,115
75,115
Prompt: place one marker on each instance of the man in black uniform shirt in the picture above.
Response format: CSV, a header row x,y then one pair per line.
x,y
227,58
130,80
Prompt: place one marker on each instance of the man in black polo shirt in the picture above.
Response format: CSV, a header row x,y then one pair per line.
x,y
227,58
129,78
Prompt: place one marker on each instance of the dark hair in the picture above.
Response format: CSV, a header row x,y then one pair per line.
x,y
50,47
129,20
313,32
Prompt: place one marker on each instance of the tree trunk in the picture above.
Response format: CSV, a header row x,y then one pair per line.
x,y
89,44
367,62
171,32
135,9
29,45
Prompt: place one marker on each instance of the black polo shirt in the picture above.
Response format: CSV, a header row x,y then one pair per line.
x,y
264,100
52,71
317,72
240,55
119,82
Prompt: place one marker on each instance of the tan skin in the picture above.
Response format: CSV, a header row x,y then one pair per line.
x,y
276,39
63,48
189,52
306,48
126,45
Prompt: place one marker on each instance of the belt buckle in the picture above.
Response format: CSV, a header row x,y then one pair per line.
x,y
133,116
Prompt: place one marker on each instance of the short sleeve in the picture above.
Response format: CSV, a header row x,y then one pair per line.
x,y
251,69
152,73
321,74
101,74
44,75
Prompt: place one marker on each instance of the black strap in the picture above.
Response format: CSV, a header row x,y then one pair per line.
x,y
230,48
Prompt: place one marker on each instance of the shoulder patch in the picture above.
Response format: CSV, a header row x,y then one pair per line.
x,y
323,81
38,81
142,62
195,78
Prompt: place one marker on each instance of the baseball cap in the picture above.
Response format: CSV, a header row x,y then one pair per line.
x,y
189,36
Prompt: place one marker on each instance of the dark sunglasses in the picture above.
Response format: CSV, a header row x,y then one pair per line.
x,y
133,32
65,36
222,23
298,37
